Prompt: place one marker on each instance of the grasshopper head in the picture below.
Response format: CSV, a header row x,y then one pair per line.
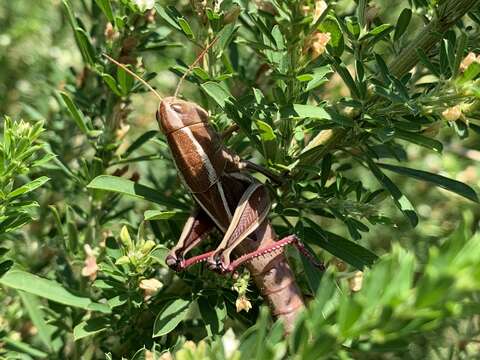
x,y
174,114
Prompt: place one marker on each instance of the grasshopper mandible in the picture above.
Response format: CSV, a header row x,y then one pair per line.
x,y
230,200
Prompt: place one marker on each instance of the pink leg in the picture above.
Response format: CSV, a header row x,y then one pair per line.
x,y
291,239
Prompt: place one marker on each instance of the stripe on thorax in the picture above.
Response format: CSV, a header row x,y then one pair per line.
x,y
211,173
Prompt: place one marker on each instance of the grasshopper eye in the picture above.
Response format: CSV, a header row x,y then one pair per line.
x,y
177,107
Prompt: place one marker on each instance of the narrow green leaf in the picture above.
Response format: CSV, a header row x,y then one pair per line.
x,y
187,30
448,184
142,139
45,331
350,252
130,188
75,113
23,348
217,93
90,327
106,8
170,316
164,215
111,83
402,23
311,111
49,289
400,200
32,185
269,139
167,17
85,45
419,139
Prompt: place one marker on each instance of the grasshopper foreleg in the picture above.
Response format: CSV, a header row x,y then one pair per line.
x,y
251,212
197,227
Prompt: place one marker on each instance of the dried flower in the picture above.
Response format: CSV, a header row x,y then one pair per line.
x,y
90,267
452,113
356,281
150,287
232,14
122,131
468,60
243,303
320,7
318,43
110,32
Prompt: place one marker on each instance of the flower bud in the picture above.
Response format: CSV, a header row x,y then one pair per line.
x,y
468,60
90,267
150,287
243,303
452,113
147,246
356,281
125,238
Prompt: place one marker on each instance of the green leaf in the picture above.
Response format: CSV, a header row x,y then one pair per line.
x,y
401,201
448,184
90,327
130,188
125,81
142,139
269,139
167,16
106,8
23,348
217,93
111,83
49,289
164,215
85,45
311,111
419,140
471,73
45,331
348,313
336,45
350,252
378,32
402,23
170,316
187,30
32,185
225,36
75,113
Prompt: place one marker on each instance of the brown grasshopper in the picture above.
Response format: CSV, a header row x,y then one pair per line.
x,y
230,200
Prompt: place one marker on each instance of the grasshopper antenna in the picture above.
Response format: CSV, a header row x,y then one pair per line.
x,y
134,75
199,57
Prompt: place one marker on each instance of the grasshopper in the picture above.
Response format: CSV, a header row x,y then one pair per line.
x,y
231,200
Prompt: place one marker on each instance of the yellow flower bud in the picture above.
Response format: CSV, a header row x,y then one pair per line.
x,y
150,287
452,113
356,281
243,303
